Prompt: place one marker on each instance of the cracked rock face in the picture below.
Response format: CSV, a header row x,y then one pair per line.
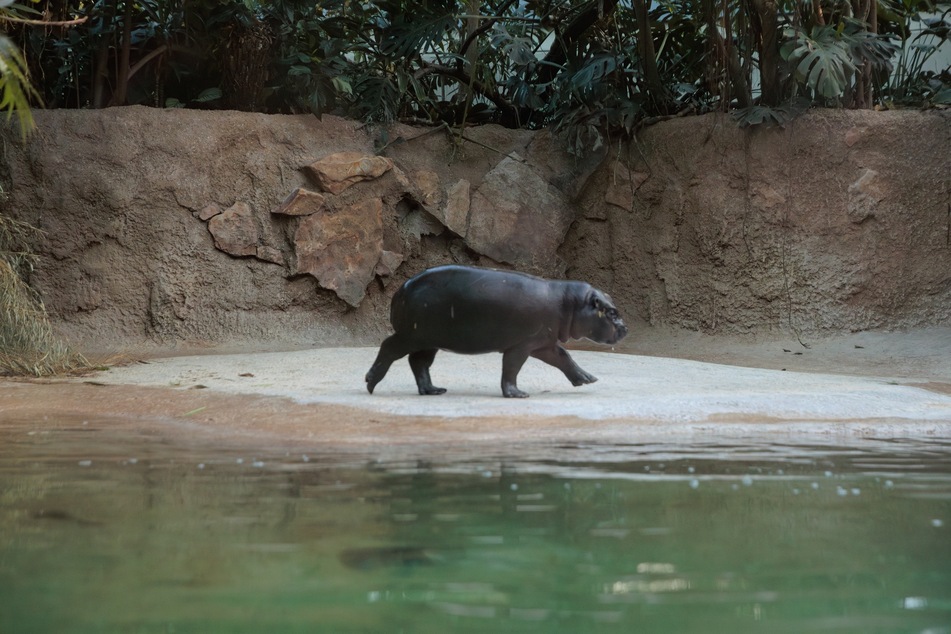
x,y
342,248
517,217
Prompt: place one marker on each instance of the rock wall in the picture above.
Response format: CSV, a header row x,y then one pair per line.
x,y
187,228
841,222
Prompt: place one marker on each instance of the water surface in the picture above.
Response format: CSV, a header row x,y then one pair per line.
x,y
128,532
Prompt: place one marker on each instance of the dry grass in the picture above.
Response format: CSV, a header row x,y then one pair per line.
x,y
28,345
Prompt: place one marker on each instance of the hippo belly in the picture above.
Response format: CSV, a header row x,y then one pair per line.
x,y
476,314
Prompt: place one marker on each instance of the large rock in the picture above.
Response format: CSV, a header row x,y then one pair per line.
x,y
342,248
455,213
337,172
235,230
517,217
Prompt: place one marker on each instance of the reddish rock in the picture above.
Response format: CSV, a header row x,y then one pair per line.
x,y
235,230
428,184
342,248
517,217
300,202
337,172
209,211
389,262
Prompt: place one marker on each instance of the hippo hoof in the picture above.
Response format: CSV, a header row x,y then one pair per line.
x,y
584,379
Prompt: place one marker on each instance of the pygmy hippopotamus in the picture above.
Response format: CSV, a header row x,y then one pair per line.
x,y
472,310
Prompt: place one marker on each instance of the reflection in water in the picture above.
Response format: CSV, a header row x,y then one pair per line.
x,y
139,535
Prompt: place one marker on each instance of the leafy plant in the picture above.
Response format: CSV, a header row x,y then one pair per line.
x,y
911,83
16,91
15,88
752,116
825,60
589,68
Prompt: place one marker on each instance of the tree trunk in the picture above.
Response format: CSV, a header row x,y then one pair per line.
x,y
656,91
766,27
122,81
101,69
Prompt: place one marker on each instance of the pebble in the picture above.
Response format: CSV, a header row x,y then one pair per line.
x,y
695,483
85,463
937,523
747,481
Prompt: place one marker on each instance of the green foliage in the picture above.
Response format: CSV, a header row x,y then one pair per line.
x,y
15,88
911,83
825,60
770,115
589,68
821,60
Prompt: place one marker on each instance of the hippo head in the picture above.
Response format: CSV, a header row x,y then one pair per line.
x,y
597,319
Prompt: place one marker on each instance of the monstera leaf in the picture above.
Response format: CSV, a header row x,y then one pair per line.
x,y
822,60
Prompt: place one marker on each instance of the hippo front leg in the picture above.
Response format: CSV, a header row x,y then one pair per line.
x,y
512,362
558,357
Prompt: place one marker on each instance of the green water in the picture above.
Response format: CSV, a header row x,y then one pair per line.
x,y
139,534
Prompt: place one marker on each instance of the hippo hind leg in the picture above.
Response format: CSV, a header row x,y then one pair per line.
x,y
558,357
393,347
420,361
512,362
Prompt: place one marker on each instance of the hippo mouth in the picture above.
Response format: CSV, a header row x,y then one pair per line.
x,y
620,331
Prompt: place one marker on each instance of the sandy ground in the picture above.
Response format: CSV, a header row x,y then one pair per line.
x,y
659,385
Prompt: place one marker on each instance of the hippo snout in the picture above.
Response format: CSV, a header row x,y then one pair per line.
x,y
620,331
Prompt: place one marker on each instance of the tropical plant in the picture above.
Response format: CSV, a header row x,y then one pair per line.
x,y
28,344
16,91
911,83
586,67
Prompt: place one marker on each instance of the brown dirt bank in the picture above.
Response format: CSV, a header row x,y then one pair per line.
x,y
837,224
